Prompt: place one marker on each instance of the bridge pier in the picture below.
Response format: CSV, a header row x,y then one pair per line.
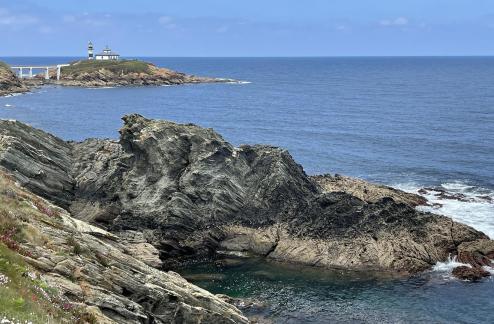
x,y
46,69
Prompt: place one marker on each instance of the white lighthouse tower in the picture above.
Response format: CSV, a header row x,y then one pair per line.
x,y
90,51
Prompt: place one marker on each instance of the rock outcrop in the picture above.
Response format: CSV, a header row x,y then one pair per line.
x,y
368,192
86,268
9,83
125,73
190,193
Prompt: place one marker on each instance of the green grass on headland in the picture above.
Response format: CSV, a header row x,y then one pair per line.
x,y
24,296
119,67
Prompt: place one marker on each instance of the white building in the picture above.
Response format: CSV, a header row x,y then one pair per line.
x,y
90,52
107,54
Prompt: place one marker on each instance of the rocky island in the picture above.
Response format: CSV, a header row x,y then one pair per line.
x,y
92,74
111,217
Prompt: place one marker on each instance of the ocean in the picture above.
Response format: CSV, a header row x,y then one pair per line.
x,y
408,122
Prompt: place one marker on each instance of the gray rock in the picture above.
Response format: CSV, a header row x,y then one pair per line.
x,y
106,281
190,192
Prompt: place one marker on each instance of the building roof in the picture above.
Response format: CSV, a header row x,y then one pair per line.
x,y
108,54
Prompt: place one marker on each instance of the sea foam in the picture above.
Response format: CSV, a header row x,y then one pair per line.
x,y
448,265
467,204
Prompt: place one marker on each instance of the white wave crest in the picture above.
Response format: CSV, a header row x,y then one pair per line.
x,y
471,205
448,265
239,82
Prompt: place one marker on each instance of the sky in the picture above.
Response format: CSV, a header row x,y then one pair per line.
x,y
248,27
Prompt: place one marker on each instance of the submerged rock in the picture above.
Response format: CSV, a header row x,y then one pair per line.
x,y
190,193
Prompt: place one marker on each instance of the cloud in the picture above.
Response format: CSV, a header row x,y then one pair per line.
x,y
167,22
223,29
400,21
69,19
9,19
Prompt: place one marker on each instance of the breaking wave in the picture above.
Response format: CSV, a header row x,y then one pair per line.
x,y
467,204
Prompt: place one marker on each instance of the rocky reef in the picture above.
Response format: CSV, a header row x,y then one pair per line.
x,y
9,83
181,192
124,73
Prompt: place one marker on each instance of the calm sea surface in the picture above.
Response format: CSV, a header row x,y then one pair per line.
x,y
406,122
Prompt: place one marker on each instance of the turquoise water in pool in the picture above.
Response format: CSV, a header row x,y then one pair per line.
x,y
299,294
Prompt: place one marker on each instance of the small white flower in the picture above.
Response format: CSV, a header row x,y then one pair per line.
x,y
3,281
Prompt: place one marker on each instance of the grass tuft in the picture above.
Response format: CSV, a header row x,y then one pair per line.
x,y
118,67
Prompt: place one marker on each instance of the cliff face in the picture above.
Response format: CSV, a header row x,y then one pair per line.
x,y
61,269
188,193
9,83
124,73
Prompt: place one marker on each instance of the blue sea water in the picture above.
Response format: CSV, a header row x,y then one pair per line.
x,y
410,122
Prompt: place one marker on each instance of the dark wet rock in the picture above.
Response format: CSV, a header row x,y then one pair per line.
x,y
470,273
228,263
478,253
452,196
190,193
488,199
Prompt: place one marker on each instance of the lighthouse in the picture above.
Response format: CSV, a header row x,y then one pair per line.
x,y
90,51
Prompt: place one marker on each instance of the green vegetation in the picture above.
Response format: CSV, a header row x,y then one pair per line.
x,y
24,295
117,67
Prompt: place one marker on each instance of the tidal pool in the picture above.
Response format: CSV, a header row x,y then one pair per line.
x,y
299,294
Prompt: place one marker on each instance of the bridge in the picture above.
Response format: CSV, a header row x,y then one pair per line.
x,y
20,70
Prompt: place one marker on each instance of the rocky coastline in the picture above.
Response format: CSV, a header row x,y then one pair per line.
x,y
9,83
180,192
96,74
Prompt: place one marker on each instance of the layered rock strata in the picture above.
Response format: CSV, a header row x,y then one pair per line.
x,y
190,193
85,267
